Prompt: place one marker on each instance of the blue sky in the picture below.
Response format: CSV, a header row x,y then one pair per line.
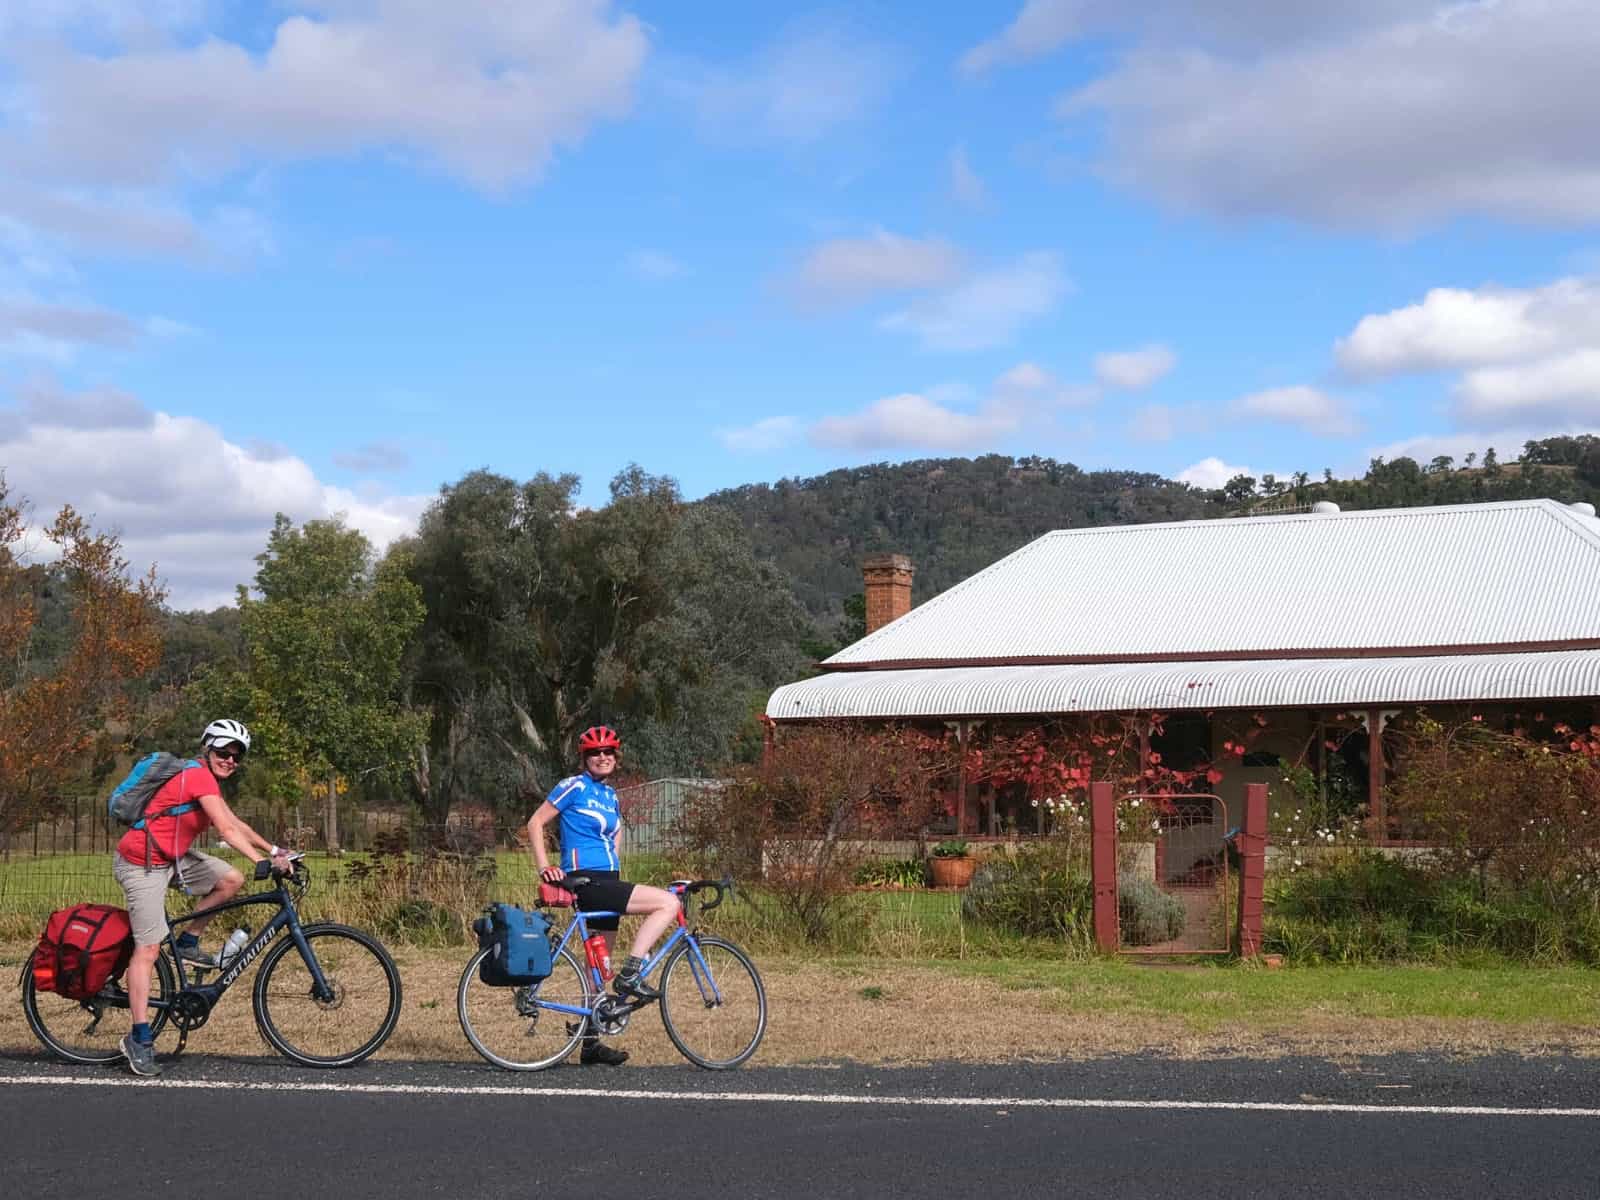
x,y
325,256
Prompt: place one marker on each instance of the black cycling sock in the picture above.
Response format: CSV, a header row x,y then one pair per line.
x,y
188,939
632,967
141,1033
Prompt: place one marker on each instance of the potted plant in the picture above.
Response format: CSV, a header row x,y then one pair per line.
x,y
950,865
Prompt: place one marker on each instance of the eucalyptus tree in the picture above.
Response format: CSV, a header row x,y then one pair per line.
x,y
544,616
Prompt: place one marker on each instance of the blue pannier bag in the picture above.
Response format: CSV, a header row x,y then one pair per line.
x,y
518,942
133,795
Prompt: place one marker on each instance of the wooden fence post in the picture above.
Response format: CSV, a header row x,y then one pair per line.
x,y
1103,863
1252,868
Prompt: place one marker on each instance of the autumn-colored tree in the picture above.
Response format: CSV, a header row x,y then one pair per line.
x,y
64,683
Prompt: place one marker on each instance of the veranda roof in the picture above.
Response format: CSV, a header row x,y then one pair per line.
x,y
1169,686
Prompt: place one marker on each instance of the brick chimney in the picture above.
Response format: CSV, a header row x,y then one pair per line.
x,y
887,584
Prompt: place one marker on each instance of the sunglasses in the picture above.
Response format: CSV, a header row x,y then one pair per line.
x,y
598,753
230,755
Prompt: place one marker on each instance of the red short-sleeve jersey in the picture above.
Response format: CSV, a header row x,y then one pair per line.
x,y
170,836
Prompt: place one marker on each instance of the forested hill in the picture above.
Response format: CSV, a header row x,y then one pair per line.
x,y
954,516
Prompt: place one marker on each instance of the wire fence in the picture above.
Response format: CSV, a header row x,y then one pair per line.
x,y
82,825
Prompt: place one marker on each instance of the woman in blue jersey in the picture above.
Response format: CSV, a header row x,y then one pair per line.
x,y
590,826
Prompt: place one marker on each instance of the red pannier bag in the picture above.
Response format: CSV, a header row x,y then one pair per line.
x,y
82,948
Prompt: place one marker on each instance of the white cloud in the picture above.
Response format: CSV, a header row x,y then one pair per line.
x,y
1382,123
45,404
486,90
1564,387
1134,370
773,433
181,495
852,269
914,421
1211,473
1044,26
1307,408
987,309
52,330
654,265
965,184
1030,384
811,80
1454,328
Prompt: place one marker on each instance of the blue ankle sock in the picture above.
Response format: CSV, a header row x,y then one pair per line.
x,y
141,1032
188,939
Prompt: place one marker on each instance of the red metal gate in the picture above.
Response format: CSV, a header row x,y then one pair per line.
x,y
1173,893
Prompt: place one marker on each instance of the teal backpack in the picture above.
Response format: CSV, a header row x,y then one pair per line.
x,y
133,795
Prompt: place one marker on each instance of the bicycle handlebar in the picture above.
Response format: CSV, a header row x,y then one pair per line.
x,y
297,868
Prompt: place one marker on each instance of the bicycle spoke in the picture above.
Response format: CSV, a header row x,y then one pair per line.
x,y
90,1031
341,1026
512,1027
714,1007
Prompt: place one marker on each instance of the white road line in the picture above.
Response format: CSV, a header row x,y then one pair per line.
x,y
406,1089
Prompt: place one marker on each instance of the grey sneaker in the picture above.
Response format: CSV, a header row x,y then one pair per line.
x,y
141,1056
197,956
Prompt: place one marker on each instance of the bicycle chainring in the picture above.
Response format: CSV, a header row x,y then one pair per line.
x,y
611,1016
190,1010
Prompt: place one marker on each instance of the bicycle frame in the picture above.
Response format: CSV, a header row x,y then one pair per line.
x,y
683,933
287,917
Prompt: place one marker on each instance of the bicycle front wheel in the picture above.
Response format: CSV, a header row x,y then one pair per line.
x,y
712,1003
91,1031
513,1027
337,1030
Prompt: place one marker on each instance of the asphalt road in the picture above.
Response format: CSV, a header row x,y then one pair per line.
x,y
1420,1126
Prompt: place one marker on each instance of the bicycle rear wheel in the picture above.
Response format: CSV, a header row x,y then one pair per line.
x,y
336,1031
712,1003
91,1031
511,1027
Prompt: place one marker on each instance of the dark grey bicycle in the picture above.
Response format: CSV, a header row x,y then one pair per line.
x,y
325,996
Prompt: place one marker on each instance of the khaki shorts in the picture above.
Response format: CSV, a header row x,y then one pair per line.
x,y
146,890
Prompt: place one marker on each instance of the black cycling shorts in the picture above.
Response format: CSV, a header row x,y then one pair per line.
x,y
606,891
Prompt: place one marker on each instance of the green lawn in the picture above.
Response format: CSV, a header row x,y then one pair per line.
x,y
1206,996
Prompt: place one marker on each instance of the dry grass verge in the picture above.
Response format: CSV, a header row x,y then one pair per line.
x,y
877,1012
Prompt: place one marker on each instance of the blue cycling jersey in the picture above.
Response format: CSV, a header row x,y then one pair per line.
x,y
590,820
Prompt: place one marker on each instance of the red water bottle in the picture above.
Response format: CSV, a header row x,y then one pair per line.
x,y
594,947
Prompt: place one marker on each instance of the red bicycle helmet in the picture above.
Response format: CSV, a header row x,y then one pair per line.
x,y
598,737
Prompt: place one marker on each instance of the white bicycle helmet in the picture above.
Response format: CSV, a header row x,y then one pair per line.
x,y
225,730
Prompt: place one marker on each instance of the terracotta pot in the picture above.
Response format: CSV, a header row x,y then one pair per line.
x,y
952,872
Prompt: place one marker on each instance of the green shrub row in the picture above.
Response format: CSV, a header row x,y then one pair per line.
x,y
1366,907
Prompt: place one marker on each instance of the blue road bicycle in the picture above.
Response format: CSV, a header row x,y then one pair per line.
x,y
712,1003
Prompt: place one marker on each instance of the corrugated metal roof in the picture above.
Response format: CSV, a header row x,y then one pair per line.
x,y
1147,687
1517,572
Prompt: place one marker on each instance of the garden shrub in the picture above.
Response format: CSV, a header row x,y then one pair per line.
x,y
1146,914
894,872
1365,906
1041,892
802,822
